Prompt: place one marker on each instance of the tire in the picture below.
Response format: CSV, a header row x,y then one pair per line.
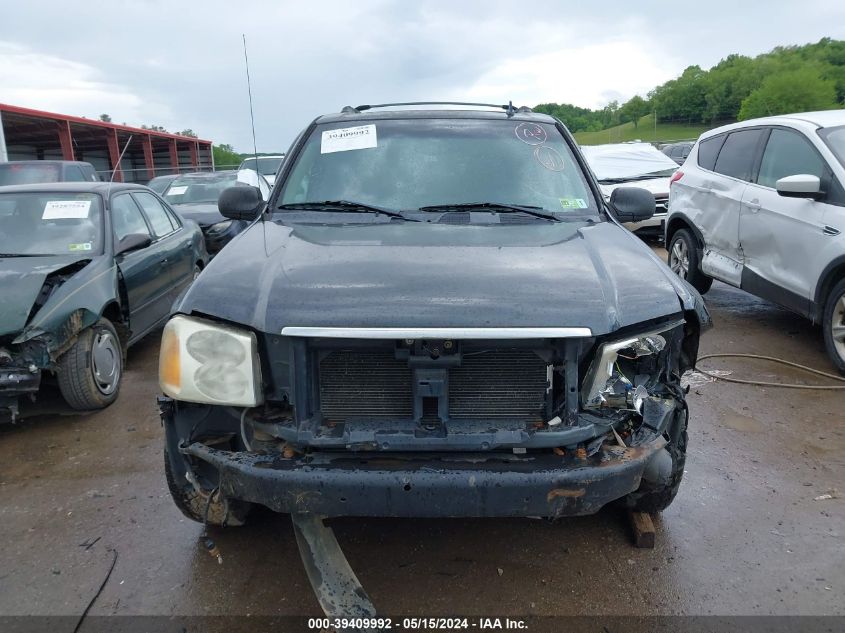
x,y
834,325
651,498
220,513
89,373
683,259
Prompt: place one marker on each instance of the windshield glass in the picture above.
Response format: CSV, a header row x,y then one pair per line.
x,y
27,174
834,137
405,164
266,166
628,161
50,224
199,190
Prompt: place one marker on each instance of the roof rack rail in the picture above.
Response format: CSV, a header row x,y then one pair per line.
x,y
509,107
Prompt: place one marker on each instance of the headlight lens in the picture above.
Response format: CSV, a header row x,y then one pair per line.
x,y
220,227
601,382
202,361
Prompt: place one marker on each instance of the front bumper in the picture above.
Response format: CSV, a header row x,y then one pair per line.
x,y
654,224
430,485
14,383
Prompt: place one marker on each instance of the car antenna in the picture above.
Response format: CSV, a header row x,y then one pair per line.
x,y
117,166
251,114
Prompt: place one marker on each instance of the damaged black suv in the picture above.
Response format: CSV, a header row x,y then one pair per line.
x,y
436,314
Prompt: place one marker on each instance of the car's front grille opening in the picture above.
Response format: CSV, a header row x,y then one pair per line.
x,y
506,384
363,383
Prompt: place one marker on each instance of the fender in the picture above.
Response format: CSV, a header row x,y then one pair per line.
x,y
831,273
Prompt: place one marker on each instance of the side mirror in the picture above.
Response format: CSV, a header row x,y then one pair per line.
x,y
799,186
240,203
632,204
132,242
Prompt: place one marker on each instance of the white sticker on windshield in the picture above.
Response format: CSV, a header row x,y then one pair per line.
x,y
347,138
176,191
66,209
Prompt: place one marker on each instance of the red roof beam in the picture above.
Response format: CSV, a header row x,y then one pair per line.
x,y
4,107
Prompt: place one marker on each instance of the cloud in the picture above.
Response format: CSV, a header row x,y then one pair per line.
x,y
47,82
311,58
587,76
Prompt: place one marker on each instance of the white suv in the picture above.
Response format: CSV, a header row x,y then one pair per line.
x,y
760,205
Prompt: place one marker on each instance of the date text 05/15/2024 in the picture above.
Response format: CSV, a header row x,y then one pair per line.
x,y
418,624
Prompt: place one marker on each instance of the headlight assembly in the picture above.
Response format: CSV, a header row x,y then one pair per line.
x,y
605,385
219,228
202,361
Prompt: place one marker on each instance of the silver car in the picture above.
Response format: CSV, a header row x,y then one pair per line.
x,y
760,205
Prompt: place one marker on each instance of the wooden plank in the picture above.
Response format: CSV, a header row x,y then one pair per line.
x,y
643,529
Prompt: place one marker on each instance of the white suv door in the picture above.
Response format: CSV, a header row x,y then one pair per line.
x,y
722,203
781,238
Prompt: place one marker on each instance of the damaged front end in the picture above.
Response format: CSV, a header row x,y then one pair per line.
x,y
430,426
46,308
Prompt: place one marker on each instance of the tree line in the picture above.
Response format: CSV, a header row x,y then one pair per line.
x,y
786,79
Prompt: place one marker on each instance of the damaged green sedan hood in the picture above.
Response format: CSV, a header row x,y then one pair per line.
x,y
29,284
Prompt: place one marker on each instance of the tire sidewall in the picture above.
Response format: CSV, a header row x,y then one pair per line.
x,y
76,371
835,295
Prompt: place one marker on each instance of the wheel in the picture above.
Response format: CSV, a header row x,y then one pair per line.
x,y
651,498
834,325
220,512
684,261
89,372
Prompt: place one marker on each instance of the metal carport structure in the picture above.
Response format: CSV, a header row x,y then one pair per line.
x,y
27,134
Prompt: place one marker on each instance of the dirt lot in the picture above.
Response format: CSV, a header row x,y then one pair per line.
x,y
745,535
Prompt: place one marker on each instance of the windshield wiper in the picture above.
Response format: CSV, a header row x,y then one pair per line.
x,y
342,206
651,176
498,207
26,254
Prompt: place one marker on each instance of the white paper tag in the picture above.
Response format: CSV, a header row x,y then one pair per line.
x,y
66,209
347,138
176,191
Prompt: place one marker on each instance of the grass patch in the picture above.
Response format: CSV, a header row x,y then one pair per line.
x,y
665,132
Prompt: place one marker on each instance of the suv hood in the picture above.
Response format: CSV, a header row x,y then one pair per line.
x,y
658,186
430,275
203,213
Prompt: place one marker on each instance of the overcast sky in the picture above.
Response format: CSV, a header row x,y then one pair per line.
x,y
180,63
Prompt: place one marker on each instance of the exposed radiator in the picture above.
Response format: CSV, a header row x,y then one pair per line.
x,y
499,384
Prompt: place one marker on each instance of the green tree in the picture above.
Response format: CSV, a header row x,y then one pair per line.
x,y
727,84
682,99
634,109
105,118
225,156
188,132
791,91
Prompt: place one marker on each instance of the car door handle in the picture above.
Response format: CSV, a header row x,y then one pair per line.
x,y
187,245
830,230
753,205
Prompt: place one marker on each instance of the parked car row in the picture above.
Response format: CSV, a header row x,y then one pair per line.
x,y
87,269
453,290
